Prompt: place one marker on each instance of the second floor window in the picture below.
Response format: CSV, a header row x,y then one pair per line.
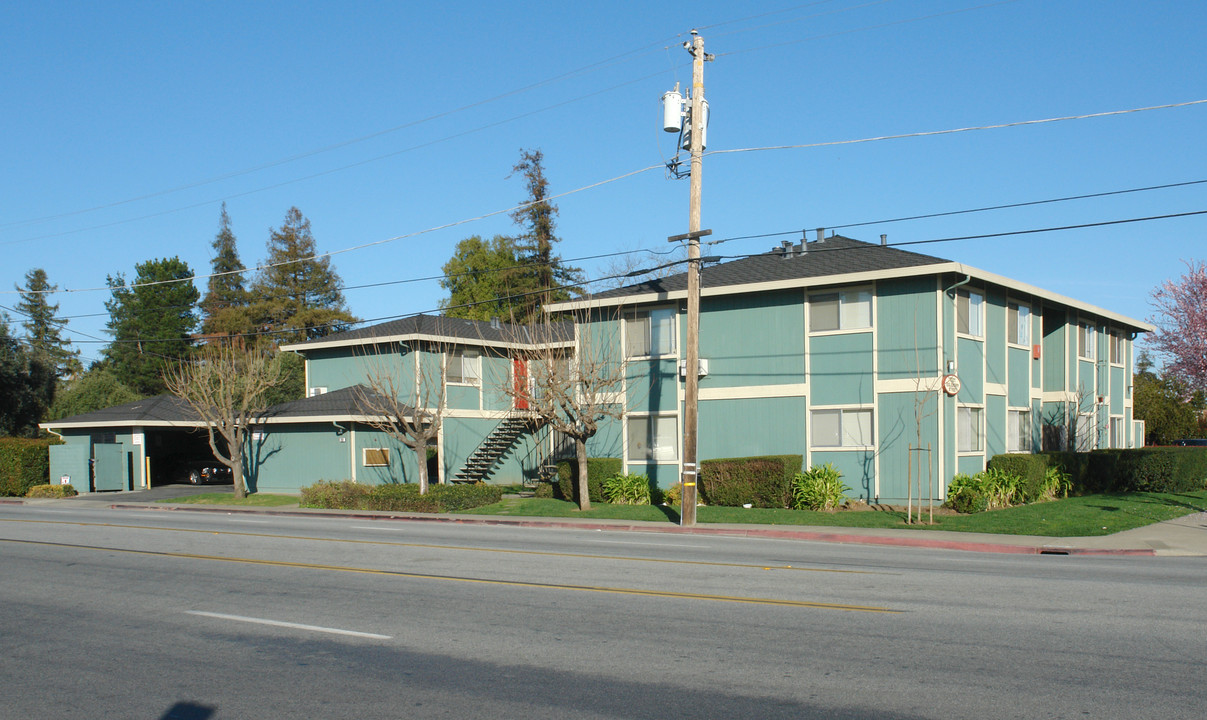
x,y
1018,324
464,366
970,313
845,310
650,332
1087,341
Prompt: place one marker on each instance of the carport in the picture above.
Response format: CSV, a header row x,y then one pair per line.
x,y
137,445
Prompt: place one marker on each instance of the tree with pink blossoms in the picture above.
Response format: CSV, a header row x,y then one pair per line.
x,y
1181,321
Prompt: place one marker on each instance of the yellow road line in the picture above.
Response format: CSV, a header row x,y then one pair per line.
x,y
537,553
481,581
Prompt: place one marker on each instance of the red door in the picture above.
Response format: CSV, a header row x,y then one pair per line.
x,y
521,384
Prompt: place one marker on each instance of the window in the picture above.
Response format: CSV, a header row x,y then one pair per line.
x,y
1116,432
1018,324
1087,341
653,439
1018,431
1085,432
846,310
463,366
1116,349
650,332
842,428
970,312
969,422
376,457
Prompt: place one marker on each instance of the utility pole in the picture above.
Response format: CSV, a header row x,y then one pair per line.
x,y
692,369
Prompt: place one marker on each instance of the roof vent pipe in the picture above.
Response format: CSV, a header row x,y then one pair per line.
x,y
785,249
821,234
883,239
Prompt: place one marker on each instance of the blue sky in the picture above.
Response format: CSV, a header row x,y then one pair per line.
x,y
126,125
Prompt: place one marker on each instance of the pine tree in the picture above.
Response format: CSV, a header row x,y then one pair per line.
x,y
225,307
42,326
151,324
297,295
26,385
539,270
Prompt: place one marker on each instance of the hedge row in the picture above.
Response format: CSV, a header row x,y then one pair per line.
x,y
402,497
24,463
598,470
1152,469
760,481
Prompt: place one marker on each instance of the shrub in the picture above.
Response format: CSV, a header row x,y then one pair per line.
x,y
1032,469
465,497
627,490
760,481
820,488
24,462
400,497
333,495
1056,484
965,494
51,491
598,470
543,490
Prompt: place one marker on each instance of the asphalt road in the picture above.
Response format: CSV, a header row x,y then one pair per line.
x,y
143,614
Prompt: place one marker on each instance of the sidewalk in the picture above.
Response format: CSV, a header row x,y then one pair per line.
x,y
1185,536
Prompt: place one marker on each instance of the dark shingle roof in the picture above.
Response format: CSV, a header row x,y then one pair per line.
x,y
836,255
342,403
471,331
158,410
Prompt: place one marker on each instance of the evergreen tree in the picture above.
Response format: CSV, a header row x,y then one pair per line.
x,y
26,385
42,326
298,295
225,307
152,322
95,389
478,278
539,268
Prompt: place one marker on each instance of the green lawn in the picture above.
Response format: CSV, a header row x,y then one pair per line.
x,y
255,500
1073,517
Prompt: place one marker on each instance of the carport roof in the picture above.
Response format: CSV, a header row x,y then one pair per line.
x,y
158,411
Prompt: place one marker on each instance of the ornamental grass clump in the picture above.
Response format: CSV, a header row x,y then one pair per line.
x,y
51,491
627,490
819,488
990,489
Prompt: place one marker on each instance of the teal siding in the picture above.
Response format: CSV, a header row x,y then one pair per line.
x,y
1055,350
970,464
463,397
898,425
289,458
519,463
663,476
1037,425
995,425
1018,386
1037,333
970,366
995,337
496,377
841,369
749,427
1086,386
71,460
403,467
336,368
652,386
608,441
906,334
858,469
1118,385
755,339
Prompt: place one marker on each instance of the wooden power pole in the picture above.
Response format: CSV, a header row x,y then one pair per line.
x,y
692,363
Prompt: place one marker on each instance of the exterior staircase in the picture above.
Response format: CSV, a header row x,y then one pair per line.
x,y
483,460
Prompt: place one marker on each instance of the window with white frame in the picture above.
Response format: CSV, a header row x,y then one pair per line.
x,y
1018,431
1085,432
653,438
841,427
970,429
843,310
1116,432
1018,324
1087,341
650,332
970,313
376,457
1116,348
464,366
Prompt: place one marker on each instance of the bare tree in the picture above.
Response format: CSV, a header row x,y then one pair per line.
x,y
409,408
226,385
576,380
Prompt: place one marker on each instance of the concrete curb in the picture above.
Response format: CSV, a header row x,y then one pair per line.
x,y
778,532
